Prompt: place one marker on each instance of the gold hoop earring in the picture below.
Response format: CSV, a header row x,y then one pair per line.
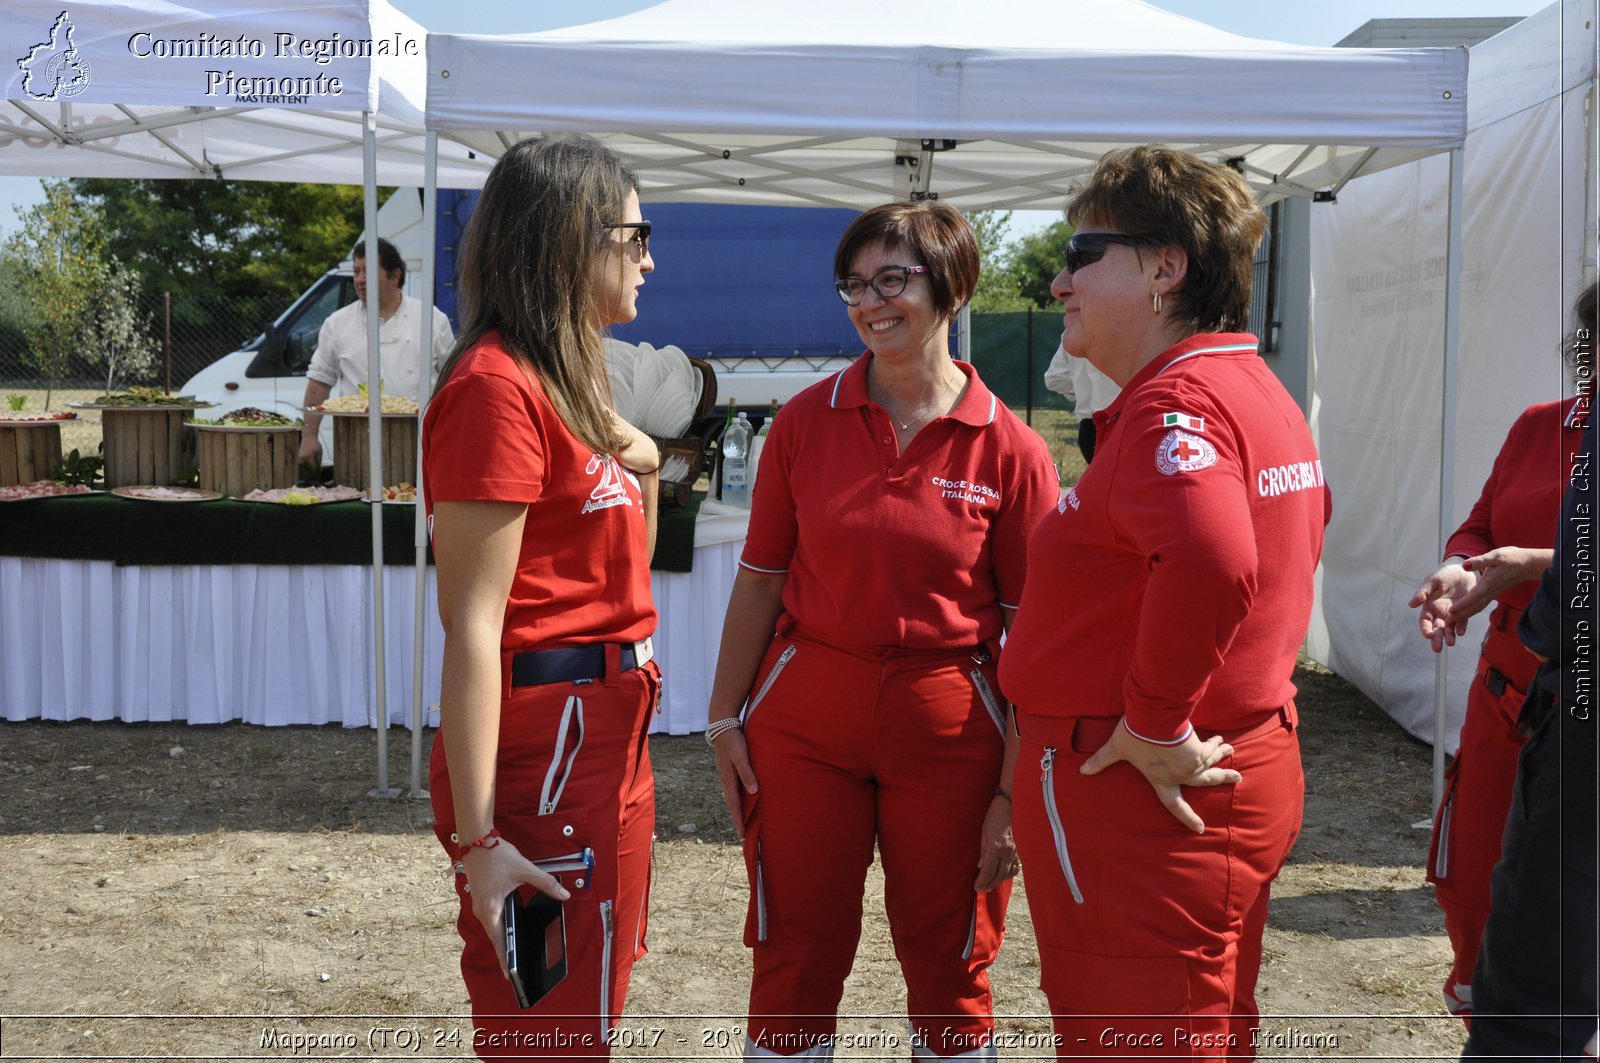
x,y
1155,302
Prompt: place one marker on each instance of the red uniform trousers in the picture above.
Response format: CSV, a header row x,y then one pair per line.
x,y
903,748
1150,935
1472,814
573,770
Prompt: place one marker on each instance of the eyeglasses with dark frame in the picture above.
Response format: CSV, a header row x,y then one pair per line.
x,y
1085,249
888,282
641,233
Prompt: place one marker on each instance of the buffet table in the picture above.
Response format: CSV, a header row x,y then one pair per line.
x,y
270,622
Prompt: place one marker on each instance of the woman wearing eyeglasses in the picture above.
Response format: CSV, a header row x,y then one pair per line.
x,y
1158,794
855,701
541,503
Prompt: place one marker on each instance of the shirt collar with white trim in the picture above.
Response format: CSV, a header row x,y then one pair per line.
x,y
978,405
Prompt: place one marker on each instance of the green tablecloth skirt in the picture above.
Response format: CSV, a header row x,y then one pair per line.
x,y
133,532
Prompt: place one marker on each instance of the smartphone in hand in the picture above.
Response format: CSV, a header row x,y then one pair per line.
x,y
536,946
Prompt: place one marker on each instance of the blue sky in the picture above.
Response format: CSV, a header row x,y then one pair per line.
x,y
1295,21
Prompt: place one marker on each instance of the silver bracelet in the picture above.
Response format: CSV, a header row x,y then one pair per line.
x,y
717,728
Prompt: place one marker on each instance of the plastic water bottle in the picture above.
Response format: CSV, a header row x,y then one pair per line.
x,y
760,442
736,463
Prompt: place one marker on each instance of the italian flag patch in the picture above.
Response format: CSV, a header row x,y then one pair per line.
x,y
1183,420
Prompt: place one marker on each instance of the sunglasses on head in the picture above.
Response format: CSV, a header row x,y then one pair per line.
x,y
1085,249
641,233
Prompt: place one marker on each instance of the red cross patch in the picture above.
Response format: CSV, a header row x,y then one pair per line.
x,y
1182,452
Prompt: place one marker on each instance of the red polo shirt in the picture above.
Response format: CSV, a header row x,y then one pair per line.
x,y
1173,582
918,550
1521,500
583,574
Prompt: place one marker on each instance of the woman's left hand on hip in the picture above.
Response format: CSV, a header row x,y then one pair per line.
x,y
1169,768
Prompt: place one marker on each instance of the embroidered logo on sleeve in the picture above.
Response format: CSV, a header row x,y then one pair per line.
x,y
1181,452
1183,420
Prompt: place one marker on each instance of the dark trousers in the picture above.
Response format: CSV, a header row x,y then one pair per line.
x,y
1534,990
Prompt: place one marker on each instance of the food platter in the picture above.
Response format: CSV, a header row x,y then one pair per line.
x,y
249,428
396,495
24,419
356,406
360,413
144,406
26,492
154,493
316,495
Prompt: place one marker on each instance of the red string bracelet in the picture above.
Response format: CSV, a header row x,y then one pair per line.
x,y
488,841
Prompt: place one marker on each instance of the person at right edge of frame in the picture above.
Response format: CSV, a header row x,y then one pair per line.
x,y
1158,793
1494,558
1535,990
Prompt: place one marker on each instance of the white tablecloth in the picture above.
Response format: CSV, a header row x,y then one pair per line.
x,y
279,644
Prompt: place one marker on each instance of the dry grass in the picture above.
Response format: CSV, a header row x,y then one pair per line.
x,y
229,880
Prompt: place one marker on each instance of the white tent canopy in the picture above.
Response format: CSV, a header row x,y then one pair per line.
x,y
1529,246
836,103
269,90
235,89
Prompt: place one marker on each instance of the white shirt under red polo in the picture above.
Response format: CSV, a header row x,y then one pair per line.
x,y
1173,582
583,572
883,549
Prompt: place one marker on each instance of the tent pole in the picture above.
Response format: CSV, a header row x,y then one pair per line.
x,y
1447,437
419,616
369,202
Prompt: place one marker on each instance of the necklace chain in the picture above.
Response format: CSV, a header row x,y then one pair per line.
x,y
905,426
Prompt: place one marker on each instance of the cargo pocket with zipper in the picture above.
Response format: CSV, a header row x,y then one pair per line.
x,y
756,918
569,740
980,682
1047,781
766,684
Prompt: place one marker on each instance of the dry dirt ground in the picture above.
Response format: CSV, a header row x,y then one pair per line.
x,y
222,901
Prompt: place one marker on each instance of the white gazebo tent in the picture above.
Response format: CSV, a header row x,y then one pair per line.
x,y
995,105
1529,246
287,90
998,105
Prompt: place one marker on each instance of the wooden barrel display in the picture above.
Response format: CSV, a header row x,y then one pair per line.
x,y
238,459
146,444
29,451
350,458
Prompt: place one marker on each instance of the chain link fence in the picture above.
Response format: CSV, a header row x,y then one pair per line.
x,y
185,333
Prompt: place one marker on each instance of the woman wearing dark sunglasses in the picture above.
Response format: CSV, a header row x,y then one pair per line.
x,y
541,507
886,547
1186,552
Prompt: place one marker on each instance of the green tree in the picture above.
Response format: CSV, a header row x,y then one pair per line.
x,y
59,253
997,291
1036,259
211,239
117,335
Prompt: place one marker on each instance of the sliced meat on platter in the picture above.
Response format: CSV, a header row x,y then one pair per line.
x,y
166,494
15,417
303,496
40,489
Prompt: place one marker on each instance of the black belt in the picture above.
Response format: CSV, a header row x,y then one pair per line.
x,y
573,664
1496,681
